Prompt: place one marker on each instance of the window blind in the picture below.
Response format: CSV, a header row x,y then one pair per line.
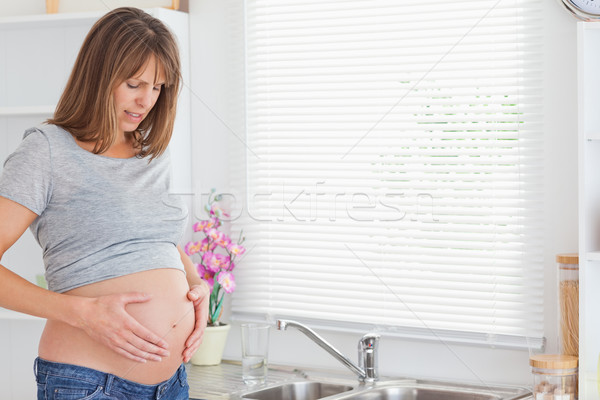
x,y
393,167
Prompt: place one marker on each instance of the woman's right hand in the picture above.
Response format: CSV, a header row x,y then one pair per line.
x,y
103,318
106,320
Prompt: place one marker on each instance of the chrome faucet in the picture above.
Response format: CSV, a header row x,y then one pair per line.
x,y
367,350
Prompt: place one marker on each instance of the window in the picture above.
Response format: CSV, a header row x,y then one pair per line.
x,y
393,167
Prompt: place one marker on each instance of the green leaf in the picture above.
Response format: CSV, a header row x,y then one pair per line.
x,y
212,318
216,288
218,310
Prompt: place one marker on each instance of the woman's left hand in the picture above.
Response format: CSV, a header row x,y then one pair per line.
x,y
199,295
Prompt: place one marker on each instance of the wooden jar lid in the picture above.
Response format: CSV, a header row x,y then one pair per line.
x,y
553,361
567,258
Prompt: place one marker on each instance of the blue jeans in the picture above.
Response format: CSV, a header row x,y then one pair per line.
x,y
57,381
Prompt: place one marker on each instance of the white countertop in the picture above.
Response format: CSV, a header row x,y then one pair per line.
x,y
218,382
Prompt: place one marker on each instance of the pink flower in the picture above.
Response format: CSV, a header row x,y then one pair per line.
x,y
206,275
207,245
214,234
215,262
226,280
236,249
192,248
215,265
210,261
214,223
199,226
223,261
206,225
223,241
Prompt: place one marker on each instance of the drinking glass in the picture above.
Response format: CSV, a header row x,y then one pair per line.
x,y
255,350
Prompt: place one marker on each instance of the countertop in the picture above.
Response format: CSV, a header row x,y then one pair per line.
x,y
224,381
221,381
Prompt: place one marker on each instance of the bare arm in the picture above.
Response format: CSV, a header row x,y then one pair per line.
x,y
17,293
103,318
199,294
191,273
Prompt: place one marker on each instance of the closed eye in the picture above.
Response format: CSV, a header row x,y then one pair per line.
x,y
130,86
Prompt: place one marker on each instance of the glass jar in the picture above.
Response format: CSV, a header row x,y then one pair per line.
x,y
554,377
568,300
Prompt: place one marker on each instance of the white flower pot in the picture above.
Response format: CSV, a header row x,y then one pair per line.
x,y
210,351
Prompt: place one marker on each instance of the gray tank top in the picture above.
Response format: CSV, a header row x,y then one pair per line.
x,y
98,217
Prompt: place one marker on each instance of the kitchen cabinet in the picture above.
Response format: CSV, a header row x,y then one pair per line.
x,y
588,37
38,52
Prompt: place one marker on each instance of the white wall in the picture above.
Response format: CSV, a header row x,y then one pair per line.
x,y
560,150
217,63
215,39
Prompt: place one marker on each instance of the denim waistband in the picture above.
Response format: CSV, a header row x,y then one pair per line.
x,y
43,368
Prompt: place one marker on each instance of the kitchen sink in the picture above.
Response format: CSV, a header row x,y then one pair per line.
x,y
418,393
292,383
406,389
434,390
305,390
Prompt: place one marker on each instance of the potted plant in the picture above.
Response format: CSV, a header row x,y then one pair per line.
x,y
216,253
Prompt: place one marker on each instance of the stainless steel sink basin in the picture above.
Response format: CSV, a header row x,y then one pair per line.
x,y
391,390
429,390
306,390
416,393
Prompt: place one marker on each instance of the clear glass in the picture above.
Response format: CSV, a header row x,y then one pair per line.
x,y
255,352
568,297
554,384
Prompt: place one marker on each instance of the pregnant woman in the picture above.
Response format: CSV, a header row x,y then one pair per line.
x,y
125,306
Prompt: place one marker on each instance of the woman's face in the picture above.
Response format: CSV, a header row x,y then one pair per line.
x,y
135,97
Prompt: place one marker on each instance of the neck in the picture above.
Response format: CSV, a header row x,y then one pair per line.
x,y
123,147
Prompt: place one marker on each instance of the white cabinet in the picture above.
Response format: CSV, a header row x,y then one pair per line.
x,y
36,56
589,207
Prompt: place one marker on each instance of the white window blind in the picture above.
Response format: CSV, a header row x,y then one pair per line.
x,y
393,167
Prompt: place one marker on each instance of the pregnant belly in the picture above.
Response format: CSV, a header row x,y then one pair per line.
x,y
169,314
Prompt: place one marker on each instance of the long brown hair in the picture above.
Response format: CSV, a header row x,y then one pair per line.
x,y
119,45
